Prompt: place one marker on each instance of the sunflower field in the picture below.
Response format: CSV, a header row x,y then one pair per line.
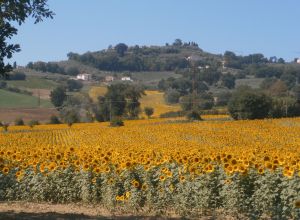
x,y
245,169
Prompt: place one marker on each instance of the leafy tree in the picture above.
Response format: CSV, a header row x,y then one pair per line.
x,y
13,12
248,104
132,95
228,80
72,70
296,93
196,102
149,111
289,79
177,42
120,100
285,107
172,96
74,85
58,96
278,88
54,120
281,60
121,48
222,98
210,76
70,116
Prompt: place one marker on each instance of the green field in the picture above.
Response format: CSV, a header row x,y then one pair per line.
x,y
33,83
16,100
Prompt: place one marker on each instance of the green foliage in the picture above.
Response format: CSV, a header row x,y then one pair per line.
x,y
74,85
19,122
120,100
197,102
54,120
193,116
58,96
248,104
285,107
70,116
117,122
222,98
50,67
3,84
250,196
171,96
149,111
121,48
172,114
33,123
16,12
17,76
228,80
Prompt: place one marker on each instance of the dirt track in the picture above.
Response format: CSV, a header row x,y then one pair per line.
x,y
22,210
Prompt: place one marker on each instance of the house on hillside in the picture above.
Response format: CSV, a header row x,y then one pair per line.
x,y
298,60
109,78
193,58
84,77
126,78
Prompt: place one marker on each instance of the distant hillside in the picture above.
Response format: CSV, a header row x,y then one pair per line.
x,y
144,58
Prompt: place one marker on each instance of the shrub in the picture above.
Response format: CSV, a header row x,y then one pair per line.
x,y
17,76
19,122
116,122
4,126
3,85
193,115
54,120
32,123
172,114
149,111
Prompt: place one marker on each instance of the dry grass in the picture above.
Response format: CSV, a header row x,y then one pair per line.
x,y
155,99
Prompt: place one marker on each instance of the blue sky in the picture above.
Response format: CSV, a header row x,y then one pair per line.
x,y
270,27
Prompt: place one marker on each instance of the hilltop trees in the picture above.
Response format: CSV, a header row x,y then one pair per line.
x,y
121,48
16,12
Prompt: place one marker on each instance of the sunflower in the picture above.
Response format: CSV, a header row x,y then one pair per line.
x,y
182,178
162,178
5,170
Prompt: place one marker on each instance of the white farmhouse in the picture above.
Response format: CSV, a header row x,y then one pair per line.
x,y
126,78
84,77
298,60
109,78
